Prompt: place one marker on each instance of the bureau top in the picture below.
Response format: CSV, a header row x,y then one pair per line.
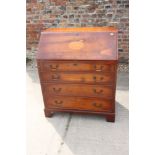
x,y
87,43
82,29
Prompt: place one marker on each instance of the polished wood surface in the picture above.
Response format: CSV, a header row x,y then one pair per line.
x,y
99,66
77,69
83,29
80,45
95,104
88,90
74,77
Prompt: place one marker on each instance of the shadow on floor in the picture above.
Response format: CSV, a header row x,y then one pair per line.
x,y
33,74
122,81
93,133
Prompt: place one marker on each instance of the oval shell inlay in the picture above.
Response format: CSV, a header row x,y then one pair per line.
x,y
76,45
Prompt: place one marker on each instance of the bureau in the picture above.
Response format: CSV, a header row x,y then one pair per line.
x,y
77,69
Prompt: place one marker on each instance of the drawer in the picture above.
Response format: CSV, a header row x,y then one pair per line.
x,y
75,66
78,103
78,90
74,77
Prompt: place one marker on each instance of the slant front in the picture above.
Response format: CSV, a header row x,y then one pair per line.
x,y
78,46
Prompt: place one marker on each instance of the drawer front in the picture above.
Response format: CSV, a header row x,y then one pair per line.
x,y
75,66
78,103
73,77
78,90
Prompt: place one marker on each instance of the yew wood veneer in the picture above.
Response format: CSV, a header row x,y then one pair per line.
x,y
77,69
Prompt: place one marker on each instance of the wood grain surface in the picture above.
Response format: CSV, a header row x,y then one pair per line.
x,y
77,69
87,44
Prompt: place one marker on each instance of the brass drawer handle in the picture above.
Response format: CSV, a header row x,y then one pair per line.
x,y
97,105
58,102
54,67
55,77
98,69
56,89
95,78
98,92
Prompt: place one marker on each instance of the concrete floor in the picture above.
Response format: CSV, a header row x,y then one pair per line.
x,y
75,134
